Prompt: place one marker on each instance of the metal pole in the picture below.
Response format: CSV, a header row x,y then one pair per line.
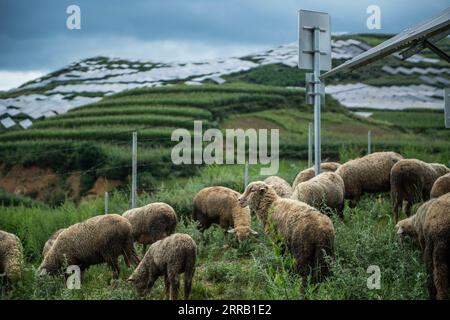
x,y
106,202
134,171
246,175
369,142
310,145
317,155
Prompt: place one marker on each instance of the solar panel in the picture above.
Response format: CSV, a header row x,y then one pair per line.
x,y
413,38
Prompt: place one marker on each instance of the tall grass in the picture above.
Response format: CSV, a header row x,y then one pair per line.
x,y
253,269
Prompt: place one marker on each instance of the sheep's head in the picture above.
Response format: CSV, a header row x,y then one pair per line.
x,y
242,233
406,228
253,194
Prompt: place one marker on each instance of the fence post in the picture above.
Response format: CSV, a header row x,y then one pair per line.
x,y
134,171
106,202
310,143
369,142
246,175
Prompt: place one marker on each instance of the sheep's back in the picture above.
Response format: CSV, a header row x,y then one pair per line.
x,y
441,186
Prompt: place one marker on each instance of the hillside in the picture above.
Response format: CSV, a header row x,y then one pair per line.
x,y
80,119
54,173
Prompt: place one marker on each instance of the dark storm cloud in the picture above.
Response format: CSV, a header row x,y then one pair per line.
x,y
33,34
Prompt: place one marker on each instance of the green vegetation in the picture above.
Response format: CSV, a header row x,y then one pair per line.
x,y
226,269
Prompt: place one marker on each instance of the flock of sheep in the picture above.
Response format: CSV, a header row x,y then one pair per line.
x,y
298,213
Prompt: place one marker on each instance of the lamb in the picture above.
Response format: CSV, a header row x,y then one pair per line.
x,y
441,186
307,234
309,173
11,257
430,228
49,243
152,222
281,186
220,205
94,241
325,190
168,257
370,174
412,180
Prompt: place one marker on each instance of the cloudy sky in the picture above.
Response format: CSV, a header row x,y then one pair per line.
x,y
34,38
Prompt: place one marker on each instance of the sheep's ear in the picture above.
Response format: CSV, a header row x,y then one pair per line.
x,y
231,230
253,231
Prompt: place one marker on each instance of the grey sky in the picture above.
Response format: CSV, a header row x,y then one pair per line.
x,y
33,34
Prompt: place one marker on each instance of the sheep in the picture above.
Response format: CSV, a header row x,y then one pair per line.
x,y
430,228
307,234
441,186
168,257
281,186
370,174
220,205
326,189
49,243
309,173
11,257
412,180
152,222
94,241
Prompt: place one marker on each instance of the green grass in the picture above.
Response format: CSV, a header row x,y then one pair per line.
x,y
418,120
226,269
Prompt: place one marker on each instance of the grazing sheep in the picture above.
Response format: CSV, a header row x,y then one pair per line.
x,y
49,243
412,180
441,186
94,241
11,257
370,174
307,234
325,190
309,173
152,222
430,227
281,186
220,205
168,257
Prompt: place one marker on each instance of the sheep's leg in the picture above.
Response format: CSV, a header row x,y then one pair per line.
x,y
188,275
166,287
396,208
174,286
114,264
409,204
440,272
428,259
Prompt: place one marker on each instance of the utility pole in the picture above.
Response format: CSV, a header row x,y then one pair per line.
x,y
134,171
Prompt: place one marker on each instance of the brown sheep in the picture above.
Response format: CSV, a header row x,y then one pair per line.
x,y
412,180
430,228
307,234
309,173
152,222
281,186
370,174
441,186
49,243
168,257
11,257
323,191
94,241
220,205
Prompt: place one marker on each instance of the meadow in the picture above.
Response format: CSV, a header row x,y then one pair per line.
x,y
227,269
94,141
